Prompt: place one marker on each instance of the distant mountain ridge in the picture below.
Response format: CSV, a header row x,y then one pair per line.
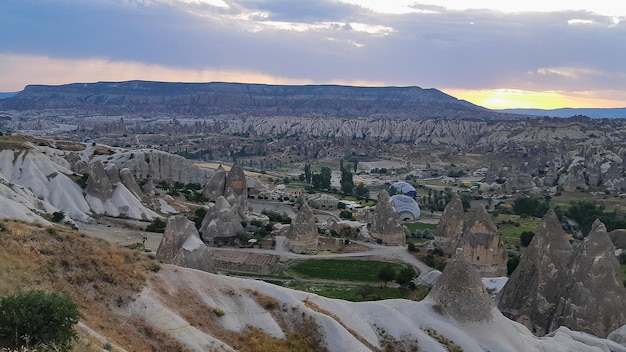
x,y
608,113
4,95
213,99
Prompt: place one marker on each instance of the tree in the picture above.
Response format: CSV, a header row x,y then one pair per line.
x,y
157,225
530,206
405,276
365,290
39,320
361,192
345,214
525,238
325,177
347,183
307,173
585,212
386,274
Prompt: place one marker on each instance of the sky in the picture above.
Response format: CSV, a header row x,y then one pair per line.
x,y
498,54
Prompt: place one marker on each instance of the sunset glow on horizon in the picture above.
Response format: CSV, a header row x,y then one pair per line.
x,y
520,99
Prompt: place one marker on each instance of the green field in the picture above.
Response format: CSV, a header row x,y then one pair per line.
x,y
365,271
511,226
417,226
354,293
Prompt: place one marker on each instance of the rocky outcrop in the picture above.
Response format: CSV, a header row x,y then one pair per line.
x,y
302,235
98,184
482,246
619,336
460,293
181,245
149,164
236,180
221,224
127,179
385,224
450,226
216,185
533,290
594,298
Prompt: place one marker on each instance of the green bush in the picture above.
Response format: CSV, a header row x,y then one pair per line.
x,y
57,216
157,225
38,319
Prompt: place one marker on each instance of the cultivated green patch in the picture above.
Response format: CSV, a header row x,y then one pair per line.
x,y
341,269
417,226
354,293
511,226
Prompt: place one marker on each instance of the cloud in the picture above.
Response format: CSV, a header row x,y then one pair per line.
x,y
320,41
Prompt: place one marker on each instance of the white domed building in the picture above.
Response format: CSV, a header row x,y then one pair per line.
x,y
405,188
407,207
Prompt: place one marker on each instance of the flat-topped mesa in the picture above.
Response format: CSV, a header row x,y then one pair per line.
x,y
450,226
594,301
181,245
533,290
386,225
460,293
482,246
303,234
221,224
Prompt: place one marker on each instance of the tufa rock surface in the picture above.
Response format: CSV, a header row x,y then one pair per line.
x,y
221,224
236,180
303,236
181,245
482,246
98,184
460,293
533,290
594,299
450,226
216,185
128,180
161,166
386,224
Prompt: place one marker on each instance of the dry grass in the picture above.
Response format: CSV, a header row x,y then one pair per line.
x,y
99,276
301,332
265,301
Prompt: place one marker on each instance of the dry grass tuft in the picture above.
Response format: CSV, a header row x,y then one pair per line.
x,y
99,276
265,301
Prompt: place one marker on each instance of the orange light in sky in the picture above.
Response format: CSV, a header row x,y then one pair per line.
x,y
516,98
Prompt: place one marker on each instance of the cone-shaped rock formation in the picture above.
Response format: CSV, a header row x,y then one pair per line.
x,y
221,224
534,288
595,299
460,293
216,186
386,224
303,236
482,246
181,245
450,225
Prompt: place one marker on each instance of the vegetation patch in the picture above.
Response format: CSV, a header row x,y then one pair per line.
x,y
353,293
450,346
511,226
341,269
99,276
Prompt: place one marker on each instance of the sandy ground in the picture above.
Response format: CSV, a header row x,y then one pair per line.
x,y
122,232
